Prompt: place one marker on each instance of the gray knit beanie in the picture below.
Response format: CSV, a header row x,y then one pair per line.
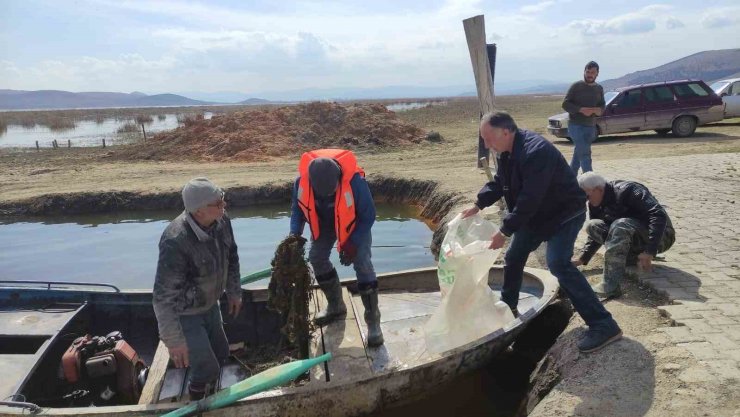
x,y
198,193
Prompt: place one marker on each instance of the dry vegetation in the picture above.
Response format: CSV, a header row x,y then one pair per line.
x,y
266,134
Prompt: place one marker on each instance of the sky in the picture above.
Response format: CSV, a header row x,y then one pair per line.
x,y
264,45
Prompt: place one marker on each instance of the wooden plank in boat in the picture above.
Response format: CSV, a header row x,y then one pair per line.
x,y
157,371
343,339
316,344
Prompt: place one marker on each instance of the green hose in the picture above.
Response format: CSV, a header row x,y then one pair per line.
x,y
264,380
256,276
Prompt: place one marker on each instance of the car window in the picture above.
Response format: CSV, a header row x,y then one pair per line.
x,y
690,90
630,99
609,96
661,94
735,89
718,86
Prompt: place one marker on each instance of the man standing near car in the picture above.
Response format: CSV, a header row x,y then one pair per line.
x,y
545,204
584,102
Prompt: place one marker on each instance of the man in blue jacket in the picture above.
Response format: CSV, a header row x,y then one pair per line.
x,y
545,204
332,196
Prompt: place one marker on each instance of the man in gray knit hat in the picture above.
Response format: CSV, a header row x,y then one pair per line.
x,y
198,260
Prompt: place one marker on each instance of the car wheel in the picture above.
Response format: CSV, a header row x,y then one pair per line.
x,y
662,132
684,126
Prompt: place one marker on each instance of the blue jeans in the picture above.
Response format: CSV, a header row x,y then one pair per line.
x,y
559,254
582,137
208,347
321,248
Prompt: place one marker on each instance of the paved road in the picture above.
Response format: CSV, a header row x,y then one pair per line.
x,y
701,273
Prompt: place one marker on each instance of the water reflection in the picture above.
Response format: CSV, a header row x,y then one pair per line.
x,y
121,248
414,105
86,132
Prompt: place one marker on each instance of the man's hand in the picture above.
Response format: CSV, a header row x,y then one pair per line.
x,y
497,240
348,253
179,355
576,261
645,261
587,111
235,304
470,212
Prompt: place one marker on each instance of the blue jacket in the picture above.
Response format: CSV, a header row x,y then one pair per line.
x,y
540,189
364,206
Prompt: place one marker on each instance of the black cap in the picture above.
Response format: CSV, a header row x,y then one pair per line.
x,y
324,173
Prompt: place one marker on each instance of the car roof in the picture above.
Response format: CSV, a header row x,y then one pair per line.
x,y
728,80
672,82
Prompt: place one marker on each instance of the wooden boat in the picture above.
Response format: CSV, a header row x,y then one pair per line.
x,y
37,326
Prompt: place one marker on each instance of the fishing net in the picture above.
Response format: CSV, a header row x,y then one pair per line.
x,y
289,292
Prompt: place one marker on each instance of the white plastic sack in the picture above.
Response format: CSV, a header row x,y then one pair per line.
x,y
469,309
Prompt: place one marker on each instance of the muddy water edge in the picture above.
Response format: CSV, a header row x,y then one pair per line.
x,y
499,389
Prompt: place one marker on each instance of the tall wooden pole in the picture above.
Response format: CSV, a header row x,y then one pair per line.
x,y
475,33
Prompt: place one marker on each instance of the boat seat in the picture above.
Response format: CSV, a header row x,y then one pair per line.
x,y
343,339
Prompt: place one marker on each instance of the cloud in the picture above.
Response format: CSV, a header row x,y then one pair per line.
x,y
537,8
642,21
237,51
721,17
673,23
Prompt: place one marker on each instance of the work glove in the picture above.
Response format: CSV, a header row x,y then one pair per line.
x,y
348,254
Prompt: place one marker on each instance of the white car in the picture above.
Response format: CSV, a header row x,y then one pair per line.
x,y
729,90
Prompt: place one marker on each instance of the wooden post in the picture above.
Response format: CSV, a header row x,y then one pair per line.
x,y
54,144
475,33
37,146
104,142
69,143
143,130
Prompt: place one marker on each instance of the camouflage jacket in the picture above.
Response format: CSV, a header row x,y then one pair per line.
x,y
629,199
194,269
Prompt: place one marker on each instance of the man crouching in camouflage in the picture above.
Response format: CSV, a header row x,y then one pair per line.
x,y
198,260
629,222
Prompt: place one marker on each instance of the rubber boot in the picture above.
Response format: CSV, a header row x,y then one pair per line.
x,y
335,307
372,316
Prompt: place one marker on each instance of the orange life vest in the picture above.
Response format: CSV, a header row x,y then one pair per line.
x,y
344,203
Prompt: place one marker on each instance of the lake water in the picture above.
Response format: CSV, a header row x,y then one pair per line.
x,y
85,133
416,105
122,248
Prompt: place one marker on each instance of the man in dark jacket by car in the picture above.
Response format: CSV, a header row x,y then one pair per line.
x,y
545,204
629,221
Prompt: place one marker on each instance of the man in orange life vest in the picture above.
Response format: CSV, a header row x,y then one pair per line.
x,y
331,195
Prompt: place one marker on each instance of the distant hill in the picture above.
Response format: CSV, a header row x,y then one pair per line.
x,y
254,101
708,66
54,99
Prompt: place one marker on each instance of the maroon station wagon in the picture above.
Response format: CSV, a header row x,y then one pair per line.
x,y
671,106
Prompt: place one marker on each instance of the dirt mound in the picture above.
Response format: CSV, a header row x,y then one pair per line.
x,y
264,134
